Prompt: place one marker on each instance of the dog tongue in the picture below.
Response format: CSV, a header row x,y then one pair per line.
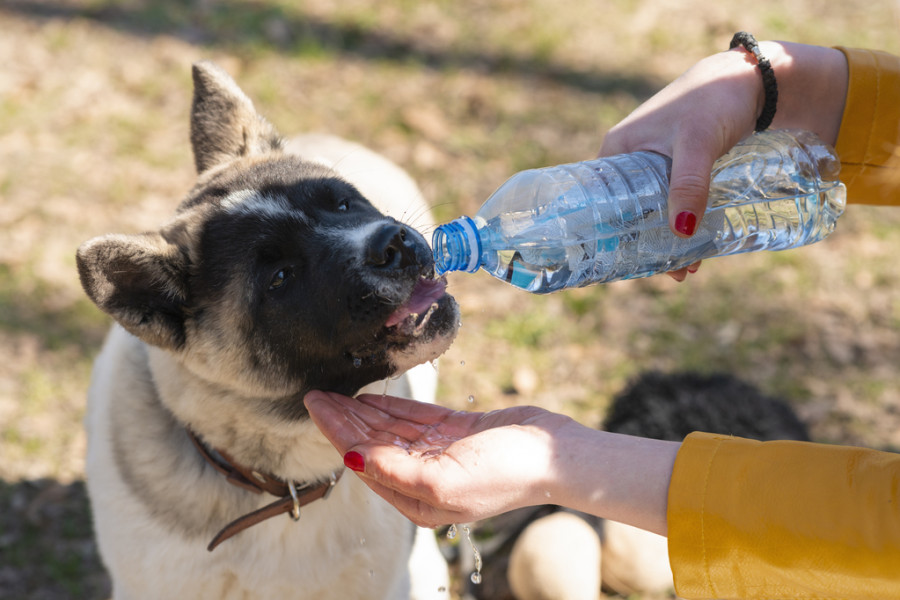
x,y
426,293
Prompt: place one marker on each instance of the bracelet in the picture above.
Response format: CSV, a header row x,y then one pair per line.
x,y
770,86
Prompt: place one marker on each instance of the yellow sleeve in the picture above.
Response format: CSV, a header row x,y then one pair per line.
x,y
868,142
784,519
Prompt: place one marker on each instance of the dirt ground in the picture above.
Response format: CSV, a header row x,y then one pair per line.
x,y
94,98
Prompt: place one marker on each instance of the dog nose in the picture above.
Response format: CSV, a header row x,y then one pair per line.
x,y
391,247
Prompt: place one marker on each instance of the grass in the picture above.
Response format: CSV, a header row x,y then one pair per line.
x,y
94,101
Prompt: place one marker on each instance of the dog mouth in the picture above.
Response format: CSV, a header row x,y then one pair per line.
x,y
418,330
412,317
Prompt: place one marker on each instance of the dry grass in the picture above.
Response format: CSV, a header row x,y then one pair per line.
x,y
94,97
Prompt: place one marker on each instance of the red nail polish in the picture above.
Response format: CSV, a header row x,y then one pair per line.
x,y
354,461
686,223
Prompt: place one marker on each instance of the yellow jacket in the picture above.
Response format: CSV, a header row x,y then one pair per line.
x,y
798,520
868,143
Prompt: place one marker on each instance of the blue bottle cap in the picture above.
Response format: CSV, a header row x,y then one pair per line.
x,y
456,246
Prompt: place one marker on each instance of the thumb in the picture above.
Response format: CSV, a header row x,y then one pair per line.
x,y
688,189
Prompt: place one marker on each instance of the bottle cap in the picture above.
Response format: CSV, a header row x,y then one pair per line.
x,y
456,246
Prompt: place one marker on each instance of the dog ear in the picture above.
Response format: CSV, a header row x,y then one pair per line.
x,y
139,281
224,123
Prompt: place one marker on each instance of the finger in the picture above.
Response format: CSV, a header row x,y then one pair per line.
x,y
414,509
415,423
689,186
412,416
614,143
681,274
343,427
403,408
403,479
328,416
678,275
346,421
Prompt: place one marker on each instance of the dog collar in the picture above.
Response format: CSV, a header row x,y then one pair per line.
x,y
291,495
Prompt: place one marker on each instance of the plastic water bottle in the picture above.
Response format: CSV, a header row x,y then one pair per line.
x,y
606,219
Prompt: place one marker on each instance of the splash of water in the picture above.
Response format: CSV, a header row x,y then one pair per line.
x,y
452,532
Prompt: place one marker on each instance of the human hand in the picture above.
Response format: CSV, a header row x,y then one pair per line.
x,y
440,466
694,120
701,115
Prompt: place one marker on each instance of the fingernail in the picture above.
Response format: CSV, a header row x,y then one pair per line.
x,y
686,223
354,461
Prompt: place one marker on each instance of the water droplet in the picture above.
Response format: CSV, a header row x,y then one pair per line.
x,y
357,362
471,399
462,363
476,575
452,532
362,541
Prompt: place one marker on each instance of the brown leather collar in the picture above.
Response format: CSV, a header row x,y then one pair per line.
x,y
291,496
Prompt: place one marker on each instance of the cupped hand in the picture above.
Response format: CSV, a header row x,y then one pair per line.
x,y
440,466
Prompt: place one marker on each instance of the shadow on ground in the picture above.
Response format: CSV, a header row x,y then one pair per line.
x,y
248,25
47,548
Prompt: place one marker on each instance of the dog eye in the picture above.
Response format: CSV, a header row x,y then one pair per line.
x,y
280,278
343,205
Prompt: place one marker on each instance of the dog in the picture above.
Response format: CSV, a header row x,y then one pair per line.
x,y
278,274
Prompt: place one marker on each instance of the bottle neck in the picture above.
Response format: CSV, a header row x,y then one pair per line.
x,y
456,246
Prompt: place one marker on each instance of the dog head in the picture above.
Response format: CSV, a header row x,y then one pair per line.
x,y
275,276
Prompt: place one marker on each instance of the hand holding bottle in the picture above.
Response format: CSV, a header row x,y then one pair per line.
x,y
702,114
608,219
614,217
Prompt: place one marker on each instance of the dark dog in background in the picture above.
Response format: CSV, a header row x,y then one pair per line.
x,y
670,406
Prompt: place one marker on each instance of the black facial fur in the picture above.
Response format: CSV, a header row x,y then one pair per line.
x,y
321,324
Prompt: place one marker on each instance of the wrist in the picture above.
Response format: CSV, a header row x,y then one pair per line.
x,y
745,41
812,82
618,477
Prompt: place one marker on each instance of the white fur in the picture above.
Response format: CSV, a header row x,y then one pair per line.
x,y
252,202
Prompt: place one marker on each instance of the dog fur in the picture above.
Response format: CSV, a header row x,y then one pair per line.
x,y
277,275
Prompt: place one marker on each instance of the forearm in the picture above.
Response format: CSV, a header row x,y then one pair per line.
x,y
617,477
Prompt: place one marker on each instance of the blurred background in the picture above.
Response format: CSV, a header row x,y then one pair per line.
x,y
94,101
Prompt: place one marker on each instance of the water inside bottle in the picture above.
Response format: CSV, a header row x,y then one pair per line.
x,y
577,249
604,220
644,245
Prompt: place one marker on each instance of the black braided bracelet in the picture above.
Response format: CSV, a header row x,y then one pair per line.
x,y
770,86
